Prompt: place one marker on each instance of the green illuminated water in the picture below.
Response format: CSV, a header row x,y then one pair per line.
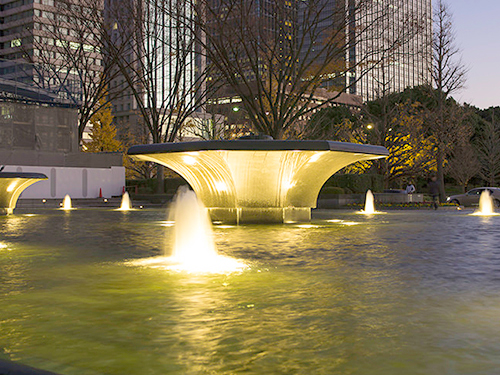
x,y
408,292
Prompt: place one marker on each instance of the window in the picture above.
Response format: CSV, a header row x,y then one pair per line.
x,y
15,43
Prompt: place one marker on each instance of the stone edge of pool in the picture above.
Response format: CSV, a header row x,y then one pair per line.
x,y
14,368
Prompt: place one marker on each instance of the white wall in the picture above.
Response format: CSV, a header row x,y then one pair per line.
x,y
77,182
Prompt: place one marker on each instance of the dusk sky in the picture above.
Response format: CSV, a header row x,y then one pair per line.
x,y
477,27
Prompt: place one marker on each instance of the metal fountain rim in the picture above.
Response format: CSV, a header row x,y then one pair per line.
x,y
31,175
258,145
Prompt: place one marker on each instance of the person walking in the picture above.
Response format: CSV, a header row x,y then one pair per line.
x,y
434,192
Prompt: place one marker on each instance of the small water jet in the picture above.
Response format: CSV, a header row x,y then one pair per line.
x,y
486,207
369,205
193,247
126,204
66,204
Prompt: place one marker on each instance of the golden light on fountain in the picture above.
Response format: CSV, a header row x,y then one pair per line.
x,y
369,205
194,249
248,181
126,203
486,206
12,184
66,203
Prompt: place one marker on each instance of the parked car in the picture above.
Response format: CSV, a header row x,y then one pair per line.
x,y
471,198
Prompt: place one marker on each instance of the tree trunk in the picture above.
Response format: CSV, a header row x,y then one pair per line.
x,y
440,175
160,175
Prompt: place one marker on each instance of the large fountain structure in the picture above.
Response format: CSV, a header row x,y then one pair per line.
x,y
12,184
245,181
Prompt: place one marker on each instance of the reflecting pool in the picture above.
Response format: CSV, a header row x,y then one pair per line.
x,y
408,292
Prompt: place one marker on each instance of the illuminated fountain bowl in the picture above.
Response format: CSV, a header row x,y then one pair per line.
x,y
486,206
257,181
12,184
126,204
369,205
194,249
66,204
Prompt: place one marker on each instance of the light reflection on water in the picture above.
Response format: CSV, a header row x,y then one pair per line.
x,y
413,292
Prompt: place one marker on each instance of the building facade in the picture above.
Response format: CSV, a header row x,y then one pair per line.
x,y
42,137
162,78
394,47
388,44
36,40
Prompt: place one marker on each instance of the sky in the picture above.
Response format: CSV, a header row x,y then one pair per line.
x,y
477,28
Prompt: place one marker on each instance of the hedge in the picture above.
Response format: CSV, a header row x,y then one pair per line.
x,y
356,183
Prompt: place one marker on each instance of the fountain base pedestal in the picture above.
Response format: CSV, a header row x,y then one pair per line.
x,y
250,215
257,181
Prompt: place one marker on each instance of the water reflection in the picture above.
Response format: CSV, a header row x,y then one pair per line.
x,y
406,292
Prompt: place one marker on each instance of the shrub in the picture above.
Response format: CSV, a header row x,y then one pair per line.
x,y
357,183
332,190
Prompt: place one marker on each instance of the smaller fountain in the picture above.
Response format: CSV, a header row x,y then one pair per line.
x,y
486,207
66,204
12,184
369,205
126,202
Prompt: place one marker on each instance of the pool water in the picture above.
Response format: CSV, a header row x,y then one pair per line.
x,y
406,292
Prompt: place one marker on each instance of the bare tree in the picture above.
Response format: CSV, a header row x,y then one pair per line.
x,y
334,123
488,147
463,164
203,126
448,76
276,56
67,57
159,63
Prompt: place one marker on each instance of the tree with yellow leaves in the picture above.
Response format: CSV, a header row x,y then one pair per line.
x,y
103,132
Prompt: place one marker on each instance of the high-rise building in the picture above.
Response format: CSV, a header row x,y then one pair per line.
x,y
388,43
32,41
162,64
395,50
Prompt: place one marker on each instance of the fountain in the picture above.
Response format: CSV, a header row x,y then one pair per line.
x,y
245,181
66,204
486,207
369,204
12,184
193,247
126,204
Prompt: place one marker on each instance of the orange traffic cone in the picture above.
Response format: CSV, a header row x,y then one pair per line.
x,y
100,193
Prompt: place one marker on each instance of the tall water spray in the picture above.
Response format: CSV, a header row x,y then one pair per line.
x,y
126,204
369,203
193,248
193,235
67,203
486,207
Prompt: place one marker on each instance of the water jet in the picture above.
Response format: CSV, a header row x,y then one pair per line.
x,y
66,204
193,248
245,181
369,205
486,206
126,204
